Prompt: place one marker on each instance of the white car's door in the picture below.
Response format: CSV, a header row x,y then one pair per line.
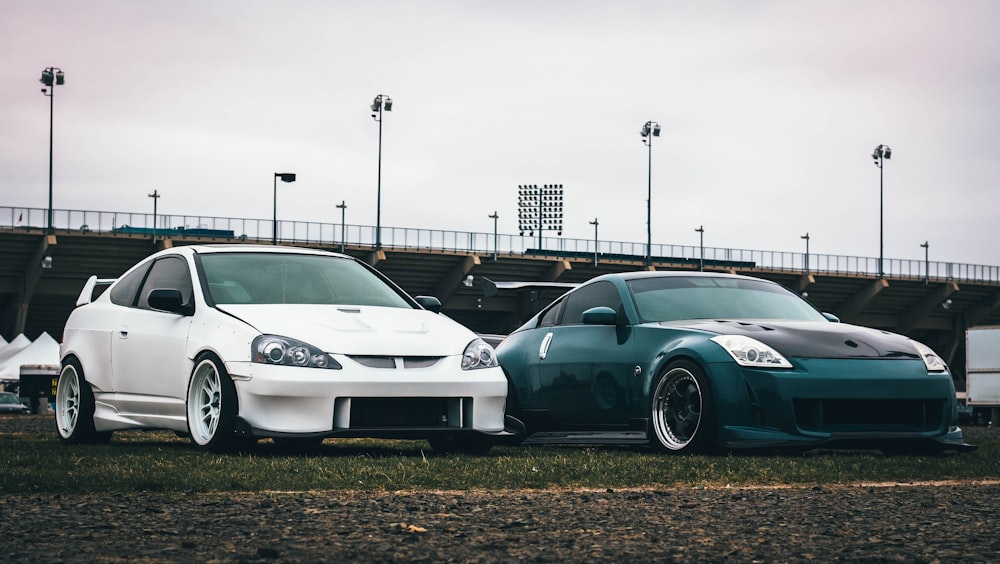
x,y
148,362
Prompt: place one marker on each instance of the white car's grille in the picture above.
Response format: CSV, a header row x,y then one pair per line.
x,y
393,362
420,361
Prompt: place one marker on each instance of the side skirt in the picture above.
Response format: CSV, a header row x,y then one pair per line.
x,y
588,438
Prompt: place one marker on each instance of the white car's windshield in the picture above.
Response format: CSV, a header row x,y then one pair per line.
x,y
673,298
284,278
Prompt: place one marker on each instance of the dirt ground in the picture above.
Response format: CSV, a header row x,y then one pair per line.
x,y
863,522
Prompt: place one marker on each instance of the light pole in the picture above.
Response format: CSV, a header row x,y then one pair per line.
x,y
494,216
806,237
649,130
927,262
701,245
594,223
342,206
155,196
51,77
381,102
285,177
540,208
881,154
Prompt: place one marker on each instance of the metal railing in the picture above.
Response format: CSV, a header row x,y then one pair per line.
x,y
13,218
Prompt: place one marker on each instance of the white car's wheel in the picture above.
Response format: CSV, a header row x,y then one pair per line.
x,y
212,406
682,409
75,407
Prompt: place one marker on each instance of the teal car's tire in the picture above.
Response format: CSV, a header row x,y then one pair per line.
x,y
212,408
75,407
682,409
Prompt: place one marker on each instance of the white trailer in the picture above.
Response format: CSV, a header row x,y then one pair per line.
x,y
982,369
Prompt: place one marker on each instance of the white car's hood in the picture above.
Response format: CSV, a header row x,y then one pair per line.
x,y
359,330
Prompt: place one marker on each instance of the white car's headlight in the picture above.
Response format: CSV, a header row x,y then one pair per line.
x,y
751,352
932,361
283,351
478,354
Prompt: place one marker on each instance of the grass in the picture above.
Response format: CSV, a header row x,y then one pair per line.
x,y
161,462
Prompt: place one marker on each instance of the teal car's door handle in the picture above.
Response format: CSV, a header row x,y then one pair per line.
x,y
544,349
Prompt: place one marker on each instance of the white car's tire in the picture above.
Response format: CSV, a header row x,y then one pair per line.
x,y
212,407
75,407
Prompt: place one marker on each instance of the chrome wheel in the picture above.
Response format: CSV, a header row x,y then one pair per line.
x,y
681,410
68,400
204,402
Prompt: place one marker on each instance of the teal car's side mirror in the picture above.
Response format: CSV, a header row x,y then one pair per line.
x,y
831,317
600,315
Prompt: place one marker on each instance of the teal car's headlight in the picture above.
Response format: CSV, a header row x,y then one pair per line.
x,y
478,354
933,362
751,352
283,351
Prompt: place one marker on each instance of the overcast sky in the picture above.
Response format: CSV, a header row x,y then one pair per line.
x,y
769,111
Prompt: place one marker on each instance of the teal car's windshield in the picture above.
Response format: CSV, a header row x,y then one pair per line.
x,y
284,278
673,298
9,398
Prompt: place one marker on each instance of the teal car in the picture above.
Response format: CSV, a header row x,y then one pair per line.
x,y
694,361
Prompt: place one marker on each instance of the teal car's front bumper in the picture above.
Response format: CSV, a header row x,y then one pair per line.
x,y
865,403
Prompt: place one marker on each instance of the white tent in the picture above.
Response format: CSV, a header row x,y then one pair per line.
x,y
45,350
3,342
13,347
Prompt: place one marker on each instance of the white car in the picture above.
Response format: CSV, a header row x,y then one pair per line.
x,y
233,343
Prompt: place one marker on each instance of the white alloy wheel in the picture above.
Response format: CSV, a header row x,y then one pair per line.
x,y
68,401
75,407
204,402
212,410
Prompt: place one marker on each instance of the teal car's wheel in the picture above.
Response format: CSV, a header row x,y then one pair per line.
x,y
682,409
75,407
212,407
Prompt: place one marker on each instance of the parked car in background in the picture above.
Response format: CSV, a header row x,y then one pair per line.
x,y
10,403
230,344
690,361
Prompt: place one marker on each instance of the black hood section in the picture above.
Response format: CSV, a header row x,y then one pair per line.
x,y
812,339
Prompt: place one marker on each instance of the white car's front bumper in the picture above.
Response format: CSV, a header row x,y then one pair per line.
x,y
363,401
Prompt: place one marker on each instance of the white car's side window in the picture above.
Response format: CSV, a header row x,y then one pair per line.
x,y
124,291
167,272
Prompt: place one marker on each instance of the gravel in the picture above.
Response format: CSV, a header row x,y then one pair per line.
x,y
885,522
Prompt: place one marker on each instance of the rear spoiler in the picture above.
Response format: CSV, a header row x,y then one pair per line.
x,y
537,294
491,288
532,297
87,294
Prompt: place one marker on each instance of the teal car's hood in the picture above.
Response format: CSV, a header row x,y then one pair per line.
x,y
811,339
